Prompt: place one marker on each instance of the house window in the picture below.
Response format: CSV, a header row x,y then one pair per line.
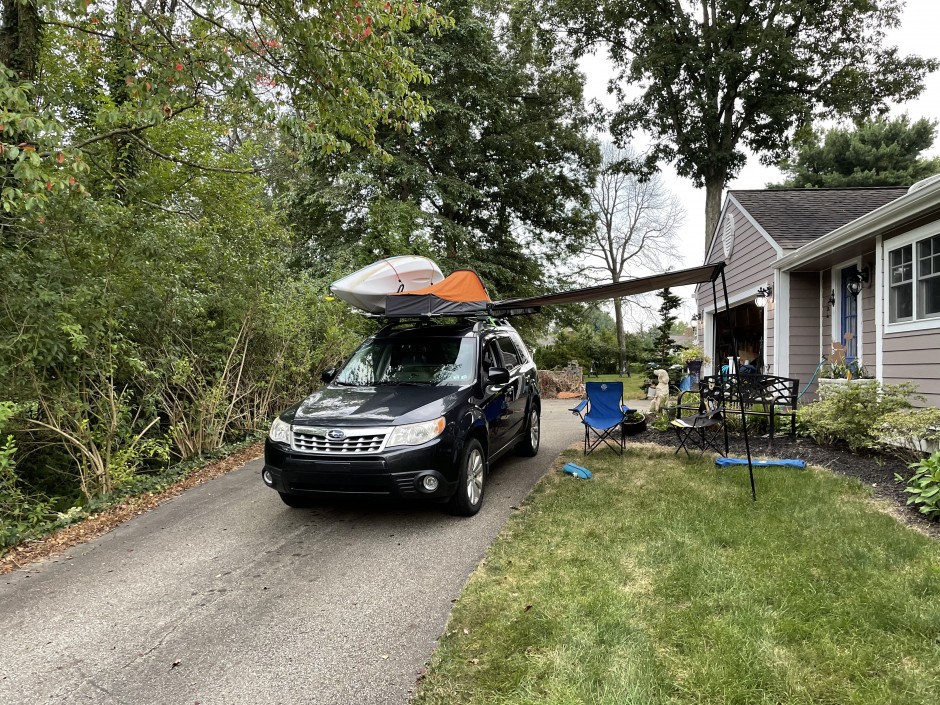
x,y
928,277
902,278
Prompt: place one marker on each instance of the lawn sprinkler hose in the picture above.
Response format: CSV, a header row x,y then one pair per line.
x,y
813,378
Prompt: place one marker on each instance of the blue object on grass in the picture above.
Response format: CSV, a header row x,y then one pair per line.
x,y
577,471
685,384
725,462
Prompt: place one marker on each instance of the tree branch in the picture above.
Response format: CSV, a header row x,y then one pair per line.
x,y
186,162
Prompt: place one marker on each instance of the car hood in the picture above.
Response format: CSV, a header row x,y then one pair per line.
x,y
376,406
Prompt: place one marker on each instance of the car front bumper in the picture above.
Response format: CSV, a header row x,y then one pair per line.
x,y
395,473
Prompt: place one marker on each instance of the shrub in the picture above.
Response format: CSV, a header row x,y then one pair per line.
x,y
905,432
924,486
853,413
19,511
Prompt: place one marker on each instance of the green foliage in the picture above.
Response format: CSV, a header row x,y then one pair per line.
x,y
718,79
852,369
661,420
906,432
19,511
590,338
496,180
924,486
692,353
664,347
878,152
853,413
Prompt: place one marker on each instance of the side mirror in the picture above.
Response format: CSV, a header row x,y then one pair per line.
x,y
498,375
328,375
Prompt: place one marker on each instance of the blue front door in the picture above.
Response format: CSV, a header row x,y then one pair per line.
x,y
849,316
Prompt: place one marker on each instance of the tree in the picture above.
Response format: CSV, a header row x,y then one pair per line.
x,y
718,77
663,344
879,152
331,79
495,180
635,229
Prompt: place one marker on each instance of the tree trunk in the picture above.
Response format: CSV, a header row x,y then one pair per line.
x,y
621,343
20,37
714,185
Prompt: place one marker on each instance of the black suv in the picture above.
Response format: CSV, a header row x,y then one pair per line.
x,y
418,411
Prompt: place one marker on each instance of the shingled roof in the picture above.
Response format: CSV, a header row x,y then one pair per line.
x,y
794,217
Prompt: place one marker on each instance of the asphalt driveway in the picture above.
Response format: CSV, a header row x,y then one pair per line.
x,y
224,595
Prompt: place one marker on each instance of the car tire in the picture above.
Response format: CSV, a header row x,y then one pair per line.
x,y
297,501
529,445
468,498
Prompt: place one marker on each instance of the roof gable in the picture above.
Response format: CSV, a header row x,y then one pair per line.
x,y
795,217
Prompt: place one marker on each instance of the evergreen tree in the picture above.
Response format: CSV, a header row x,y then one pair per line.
x,y
664,345
880,152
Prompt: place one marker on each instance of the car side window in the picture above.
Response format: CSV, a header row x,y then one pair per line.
x,y
490,357
523,351
511,356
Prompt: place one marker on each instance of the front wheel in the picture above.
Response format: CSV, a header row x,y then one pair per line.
x,y
468,498
529,445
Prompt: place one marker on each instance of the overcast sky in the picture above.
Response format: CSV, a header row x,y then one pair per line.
x,y
920,24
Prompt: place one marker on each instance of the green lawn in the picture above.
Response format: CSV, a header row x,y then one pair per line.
x,y
631,385
660,581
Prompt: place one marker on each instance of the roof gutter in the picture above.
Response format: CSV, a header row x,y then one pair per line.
x,y
868,225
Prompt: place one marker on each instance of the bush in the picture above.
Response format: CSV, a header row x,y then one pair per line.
x,y
924,486
20,512
906,432
854,413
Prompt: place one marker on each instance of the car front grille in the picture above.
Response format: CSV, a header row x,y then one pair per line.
x,y
354,441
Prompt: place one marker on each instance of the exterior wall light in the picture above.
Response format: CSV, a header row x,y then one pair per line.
x,y
856,282
696,319
764,294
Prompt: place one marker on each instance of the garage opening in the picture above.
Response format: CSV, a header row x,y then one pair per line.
x,y
747,322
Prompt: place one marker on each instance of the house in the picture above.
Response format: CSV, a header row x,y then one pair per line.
x,y
806,268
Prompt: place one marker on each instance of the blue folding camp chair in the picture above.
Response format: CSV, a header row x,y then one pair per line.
x,y
602,413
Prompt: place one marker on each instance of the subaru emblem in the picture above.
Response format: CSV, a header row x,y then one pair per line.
x,y
334,434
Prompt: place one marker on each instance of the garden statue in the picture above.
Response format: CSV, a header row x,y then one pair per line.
x,y
662,392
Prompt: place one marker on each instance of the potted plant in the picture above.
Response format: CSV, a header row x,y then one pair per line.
x,y
693,358
842,373
634,423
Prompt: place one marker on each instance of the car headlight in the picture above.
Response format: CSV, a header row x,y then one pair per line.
x,y
414,434
280,432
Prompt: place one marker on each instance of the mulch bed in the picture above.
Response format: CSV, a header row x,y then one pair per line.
x,y
874,470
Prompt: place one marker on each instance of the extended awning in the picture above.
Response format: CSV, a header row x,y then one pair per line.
x,y
630,287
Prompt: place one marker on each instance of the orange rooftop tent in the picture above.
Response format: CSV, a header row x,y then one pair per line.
x,y
462,293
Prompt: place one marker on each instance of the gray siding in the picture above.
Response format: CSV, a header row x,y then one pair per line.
x,y
750,267
804,328
914,355
867,305
751,260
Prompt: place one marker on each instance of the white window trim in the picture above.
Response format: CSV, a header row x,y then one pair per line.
x,y
909,238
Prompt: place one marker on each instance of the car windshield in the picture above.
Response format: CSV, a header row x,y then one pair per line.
x,y
411,361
